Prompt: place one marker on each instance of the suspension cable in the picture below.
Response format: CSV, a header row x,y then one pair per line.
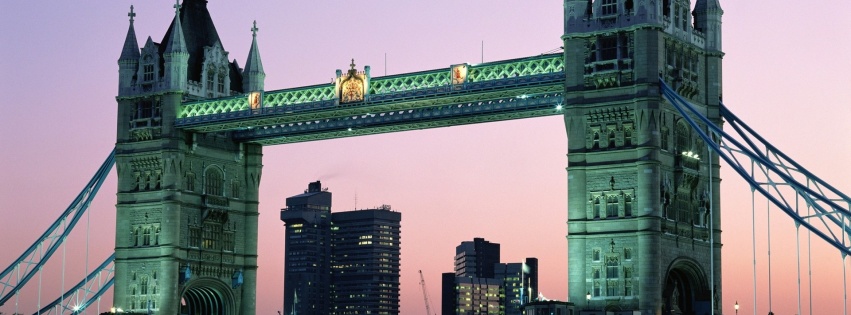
x,y
753,239
798,255
844,274
711,231
810,255
768,223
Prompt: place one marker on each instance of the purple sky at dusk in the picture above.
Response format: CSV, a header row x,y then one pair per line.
x,y
786,73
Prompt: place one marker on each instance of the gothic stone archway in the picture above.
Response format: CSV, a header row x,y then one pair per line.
x,y
207,296
686,289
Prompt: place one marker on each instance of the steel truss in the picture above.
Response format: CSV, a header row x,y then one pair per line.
x,y
87,291
774,175
506,108
14,277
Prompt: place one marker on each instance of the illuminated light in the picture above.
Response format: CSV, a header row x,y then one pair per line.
x,y
558,107
523,97
350,129
76,308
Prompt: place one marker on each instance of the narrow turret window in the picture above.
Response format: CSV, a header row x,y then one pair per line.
x,y
609,7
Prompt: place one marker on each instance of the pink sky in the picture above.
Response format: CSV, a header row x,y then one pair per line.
x,y
785,73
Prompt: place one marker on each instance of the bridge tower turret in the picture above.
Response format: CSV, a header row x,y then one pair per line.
x,y
176,55
128,62
253,72
187,209
640,183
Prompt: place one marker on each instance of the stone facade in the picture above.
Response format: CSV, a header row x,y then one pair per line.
x,y
187,203
640,183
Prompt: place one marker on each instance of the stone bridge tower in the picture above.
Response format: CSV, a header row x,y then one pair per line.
x,y
639,183
186,240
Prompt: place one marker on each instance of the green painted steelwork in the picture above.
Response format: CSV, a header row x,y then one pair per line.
x,y
409,126
397,105
516,68
513,68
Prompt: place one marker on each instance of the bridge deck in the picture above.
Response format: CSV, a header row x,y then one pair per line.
x,y
510,89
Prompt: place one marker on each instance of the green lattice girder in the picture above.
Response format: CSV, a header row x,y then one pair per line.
x,y
367,108
513,68
272,98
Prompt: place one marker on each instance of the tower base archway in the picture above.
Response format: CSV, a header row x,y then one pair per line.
x,y
207,297
686,290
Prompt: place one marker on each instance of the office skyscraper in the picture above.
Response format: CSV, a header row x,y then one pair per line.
x,y
340,263
476,258
365,261
307,271
519,284
483,285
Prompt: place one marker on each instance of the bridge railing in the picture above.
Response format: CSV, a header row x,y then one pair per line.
x,y
422,83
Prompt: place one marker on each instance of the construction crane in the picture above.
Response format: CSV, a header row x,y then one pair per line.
x,y
425,294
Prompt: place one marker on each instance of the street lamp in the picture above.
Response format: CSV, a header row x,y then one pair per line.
x,y
588,300
737,307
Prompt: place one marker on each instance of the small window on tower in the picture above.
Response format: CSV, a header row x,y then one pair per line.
x,y
609,7
612,207
149,73
666,8
147,69
221,84
608,48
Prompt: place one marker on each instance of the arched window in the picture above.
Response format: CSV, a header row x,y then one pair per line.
x,y
666,8
627,136
596,210
147,68
136,237
596,144
627,205
663,139
211,77
221,83
146,237
612,138
609,7
157,240
144,285
612,206
612,265
213,182
683,138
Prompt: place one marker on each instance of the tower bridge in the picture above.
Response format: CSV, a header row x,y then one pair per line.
x,y
643,175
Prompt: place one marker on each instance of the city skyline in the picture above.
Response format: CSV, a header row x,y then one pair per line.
x,y
58,121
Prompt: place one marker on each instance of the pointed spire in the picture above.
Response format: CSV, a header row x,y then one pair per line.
x,y
254,64
253,74
131,47
176,43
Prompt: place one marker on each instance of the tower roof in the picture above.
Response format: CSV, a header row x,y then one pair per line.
x,y
254,64
175,40
198,31
130,51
